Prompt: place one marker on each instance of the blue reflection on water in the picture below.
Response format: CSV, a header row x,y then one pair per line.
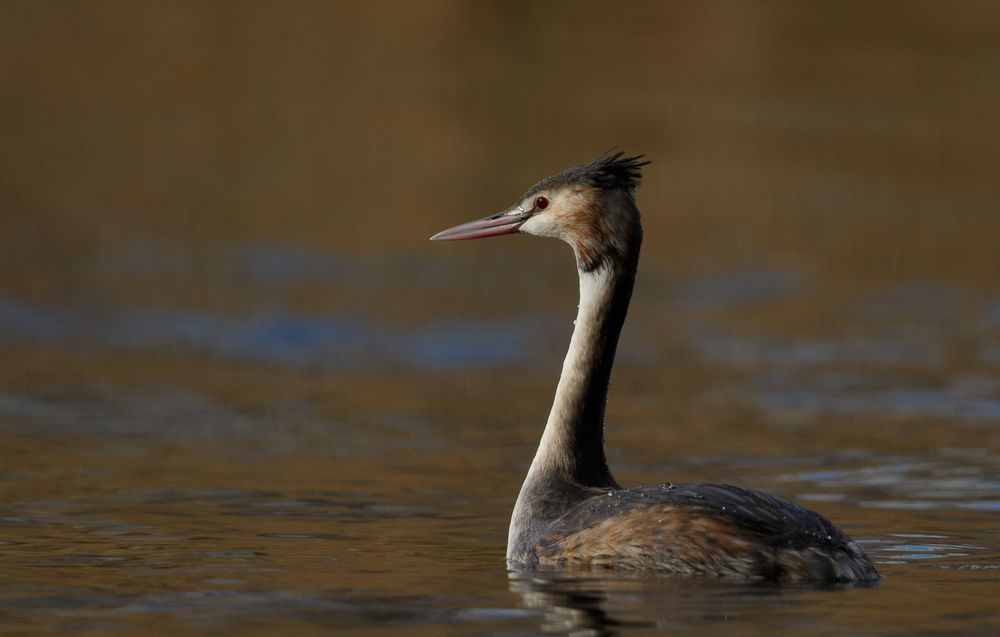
x,y
755,352
18,318
272,337
944,403
994,314
459,344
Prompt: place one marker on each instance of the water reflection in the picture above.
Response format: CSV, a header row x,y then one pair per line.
x,y
571,606
610,603
271,337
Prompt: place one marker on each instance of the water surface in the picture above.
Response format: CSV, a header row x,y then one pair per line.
x,y
240,391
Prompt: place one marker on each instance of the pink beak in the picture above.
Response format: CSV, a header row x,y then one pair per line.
x,y
501,223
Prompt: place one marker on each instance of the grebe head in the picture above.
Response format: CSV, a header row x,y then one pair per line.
x,y
590,207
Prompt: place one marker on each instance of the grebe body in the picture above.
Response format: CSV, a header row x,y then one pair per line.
x,y
570,511
693,529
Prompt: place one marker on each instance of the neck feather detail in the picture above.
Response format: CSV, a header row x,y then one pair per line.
x,y
572,446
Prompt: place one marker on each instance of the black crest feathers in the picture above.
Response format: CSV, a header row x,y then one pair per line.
x,y
614,170
611,171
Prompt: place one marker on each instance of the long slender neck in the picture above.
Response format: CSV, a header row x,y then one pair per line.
x,y
572,446
570,463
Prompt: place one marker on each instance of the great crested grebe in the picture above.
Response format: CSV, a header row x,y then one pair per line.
x,y
571,511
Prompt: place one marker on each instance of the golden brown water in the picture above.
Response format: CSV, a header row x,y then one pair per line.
x,y
239,391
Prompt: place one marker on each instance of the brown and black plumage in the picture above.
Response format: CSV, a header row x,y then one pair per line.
x,y
571,511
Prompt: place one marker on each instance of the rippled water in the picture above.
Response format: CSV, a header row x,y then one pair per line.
x,y
292,495
240,392
255,539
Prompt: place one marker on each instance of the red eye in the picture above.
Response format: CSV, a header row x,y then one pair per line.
x,y
541,203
